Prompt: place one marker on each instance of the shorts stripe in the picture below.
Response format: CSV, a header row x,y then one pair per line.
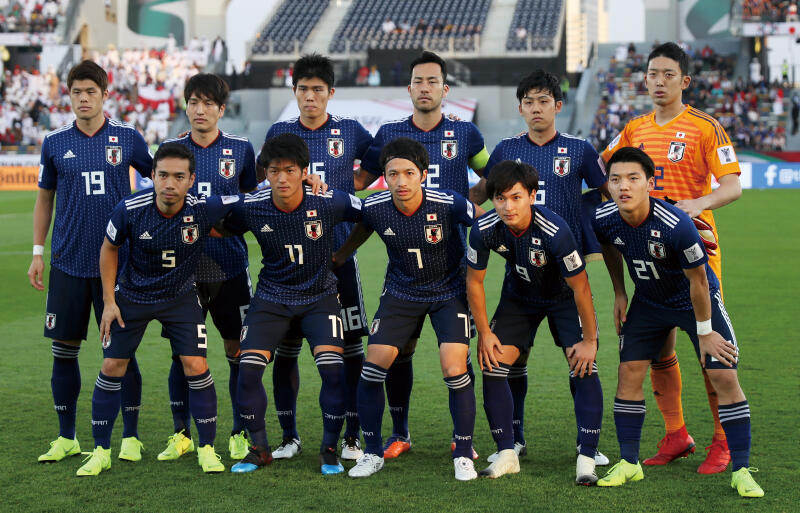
x,y
725,315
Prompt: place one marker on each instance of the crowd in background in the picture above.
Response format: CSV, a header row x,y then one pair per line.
x,y
742,105
770,10
30,15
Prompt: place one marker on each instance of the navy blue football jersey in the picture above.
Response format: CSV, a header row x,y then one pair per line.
x,y
451,145
334,147
296,246
563,163
536,259
656,252
425,249
164,251
90,175
225,167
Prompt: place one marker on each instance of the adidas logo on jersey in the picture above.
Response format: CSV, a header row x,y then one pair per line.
x,y
388,231
619,242
502,249
69,155
145,236
266,229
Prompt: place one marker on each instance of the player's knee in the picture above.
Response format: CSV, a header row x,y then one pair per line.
x,y
448,371
231,346
724,381
114,367
631,376
194,365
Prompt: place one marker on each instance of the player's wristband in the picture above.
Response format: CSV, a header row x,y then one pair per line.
x,y
704,327
38,250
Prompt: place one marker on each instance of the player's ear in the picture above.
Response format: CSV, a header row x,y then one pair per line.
x,y
305,172
685,81
651,183
559,104
423,175
192,176
222,110
446,89
533,197
331,91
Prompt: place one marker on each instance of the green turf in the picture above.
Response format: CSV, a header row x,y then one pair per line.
x,y
760,242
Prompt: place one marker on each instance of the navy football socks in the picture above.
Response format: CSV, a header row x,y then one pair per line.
x,y
65,383
629,418
331,395
252,396
131,399
498,405
371,403
285,386
399,382
203,405
735,420
106,401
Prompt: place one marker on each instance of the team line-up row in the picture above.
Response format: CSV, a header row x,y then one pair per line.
x,y
175,253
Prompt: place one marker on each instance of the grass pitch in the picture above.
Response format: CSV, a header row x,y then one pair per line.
x,y
760,242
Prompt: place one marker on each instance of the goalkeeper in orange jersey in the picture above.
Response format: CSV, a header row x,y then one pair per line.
x,y
687,146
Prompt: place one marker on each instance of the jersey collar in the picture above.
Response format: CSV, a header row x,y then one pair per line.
x,y
102,127
212,143
327,120
646,218
424,197
671,121
528,137
411,122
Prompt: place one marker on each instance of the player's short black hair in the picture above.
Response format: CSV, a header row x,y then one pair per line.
x,y
631,154
671,51
174,150
405,148
207,85
313,65
506,174
290,147
88,70
540,80
427,57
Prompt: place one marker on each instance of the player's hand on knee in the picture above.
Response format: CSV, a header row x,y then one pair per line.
x,y
489,347
111,313
620,307
717,347
580,357
36,272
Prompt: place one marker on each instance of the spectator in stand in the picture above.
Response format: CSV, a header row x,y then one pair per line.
x,y
374,77
388,26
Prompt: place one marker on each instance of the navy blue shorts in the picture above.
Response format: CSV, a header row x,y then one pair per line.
x,y
354,317
69,299
227,301
398,322
515,323
267,324
181,319
647,327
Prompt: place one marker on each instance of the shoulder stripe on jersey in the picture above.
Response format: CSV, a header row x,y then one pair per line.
x,y
377,198
600,213
607,206
258,196
570,136
439,200
438,194
328,194
712,122
139,201
235,137
488,222
548,227
667,217
175,139
486,219
395,121
121,124
61,129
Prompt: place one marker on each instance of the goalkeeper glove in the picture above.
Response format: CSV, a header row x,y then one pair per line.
x,y
704,229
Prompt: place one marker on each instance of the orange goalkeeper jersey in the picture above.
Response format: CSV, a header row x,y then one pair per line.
x,y
686,152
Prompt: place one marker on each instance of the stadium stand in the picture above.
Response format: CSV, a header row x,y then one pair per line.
x,y
769,10
30,15
407,24
145,89
754,114
534,26
289,26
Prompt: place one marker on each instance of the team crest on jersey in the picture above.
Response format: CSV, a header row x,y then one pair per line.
x,y
561,166
656,249
227,168
433,233
189,234
537,257
676,151
114,155
314,229
449,149
50,321
336,147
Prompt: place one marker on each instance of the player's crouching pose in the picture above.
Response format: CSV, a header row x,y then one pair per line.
x,y
674,286
545,277
295,286
421,231
163,226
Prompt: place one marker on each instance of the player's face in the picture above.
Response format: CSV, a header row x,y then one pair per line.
x,y
87,99
312,95
538,108
514,206
172,180
404,179
664,81
203,113
285,178
427,89
629,186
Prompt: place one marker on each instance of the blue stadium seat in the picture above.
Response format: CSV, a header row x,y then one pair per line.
x,y
293,21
